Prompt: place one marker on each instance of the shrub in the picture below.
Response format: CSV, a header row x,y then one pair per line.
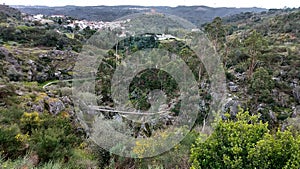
x,y
246,143
278,151
29,122
10,145
262,84
52,143
55,138
11,115
177,157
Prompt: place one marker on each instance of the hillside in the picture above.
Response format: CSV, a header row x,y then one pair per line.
x,y
59,107
7,12
195,14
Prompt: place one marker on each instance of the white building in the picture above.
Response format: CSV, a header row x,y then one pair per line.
x,y
38,17
165,36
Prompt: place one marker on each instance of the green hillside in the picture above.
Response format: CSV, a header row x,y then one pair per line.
x,y
256,125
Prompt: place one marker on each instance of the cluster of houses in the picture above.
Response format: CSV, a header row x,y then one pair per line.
x,y
94,25
82,24
75,24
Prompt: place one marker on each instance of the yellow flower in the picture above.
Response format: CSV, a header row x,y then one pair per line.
x,y
22,137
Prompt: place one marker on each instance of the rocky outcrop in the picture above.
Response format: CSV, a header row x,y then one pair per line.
x,y
22,65
54,105
232,106
50,103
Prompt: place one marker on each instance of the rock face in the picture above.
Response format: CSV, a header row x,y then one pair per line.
x,y
52,104
41,66
232,106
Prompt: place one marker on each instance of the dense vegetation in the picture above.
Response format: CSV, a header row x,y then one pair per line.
x,y
258,127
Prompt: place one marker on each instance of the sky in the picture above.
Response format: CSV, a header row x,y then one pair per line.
x,y
212,3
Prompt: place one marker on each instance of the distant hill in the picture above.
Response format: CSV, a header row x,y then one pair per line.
x,y
8,12
273,21
195,14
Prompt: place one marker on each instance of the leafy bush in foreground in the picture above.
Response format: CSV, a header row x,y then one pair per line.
x,y
246,142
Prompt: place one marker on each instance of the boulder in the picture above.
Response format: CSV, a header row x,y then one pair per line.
x,y
296,111
232,105
54,105
13,74
231,84
234,88
38,108
272,116
66,100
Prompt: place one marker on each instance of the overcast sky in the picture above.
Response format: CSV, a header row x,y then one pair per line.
x,y
211,3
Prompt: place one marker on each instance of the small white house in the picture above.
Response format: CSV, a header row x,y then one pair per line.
x,y
38,17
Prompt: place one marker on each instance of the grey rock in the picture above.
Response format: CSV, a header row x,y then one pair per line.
x,y
29,75
19,92
241,76
277,79
38,108
66,100
231,84
3,52
57,74
54,106
232,105
296,111
30,62
14,74
42,77
261,107
296,93
272,116
234,88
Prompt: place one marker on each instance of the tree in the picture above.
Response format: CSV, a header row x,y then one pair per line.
x,y
59,21
50,38
254,44
216,33
261,86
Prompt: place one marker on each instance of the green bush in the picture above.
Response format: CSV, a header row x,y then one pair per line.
x,y
55,138
11,115
10,145
245,143
52,143
279,151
